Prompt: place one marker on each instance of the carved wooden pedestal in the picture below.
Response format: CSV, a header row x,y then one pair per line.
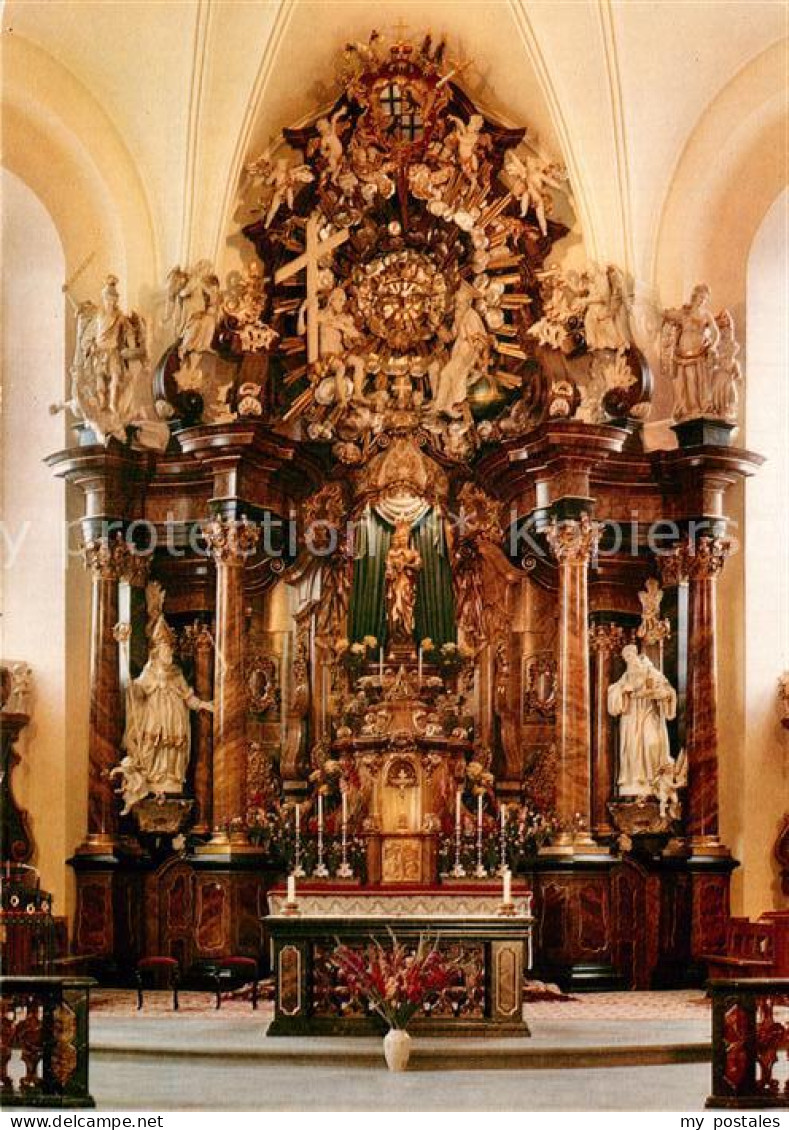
x,y
189,909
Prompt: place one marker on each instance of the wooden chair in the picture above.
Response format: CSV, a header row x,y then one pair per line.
x,y
152,967
233,972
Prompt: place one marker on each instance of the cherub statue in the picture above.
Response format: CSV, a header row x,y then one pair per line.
x,y
467,138
280,181
330,145
337,333
156,739
672,776
689,343
531,180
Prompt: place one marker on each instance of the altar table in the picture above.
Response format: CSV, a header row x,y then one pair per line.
x,y
311,999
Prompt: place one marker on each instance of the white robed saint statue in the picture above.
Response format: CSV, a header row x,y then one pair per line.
x,y
156,740
644,701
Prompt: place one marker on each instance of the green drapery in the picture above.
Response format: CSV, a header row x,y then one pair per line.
x,y
367,610
435,599
435,602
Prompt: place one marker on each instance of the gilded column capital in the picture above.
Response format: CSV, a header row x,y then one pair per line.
x,y
573,541
696,560
134,568
605,639
231,541
106,557
705,557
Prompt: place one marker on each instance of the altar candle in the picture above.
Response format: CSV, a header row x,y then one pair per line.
x,y
507,893
381,665
479,811
320,811
419,672
457,808
503,817
344,806
297,814
291,889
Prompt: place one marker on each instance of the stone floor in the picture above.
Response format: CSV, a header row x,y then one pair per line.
x,y
649,1059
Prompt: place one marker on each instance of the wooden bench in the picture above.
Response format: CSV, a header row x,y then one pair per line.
x,y
749,950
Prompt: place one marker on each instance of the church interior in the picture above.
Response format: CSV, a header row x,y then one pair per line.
x,y
395,632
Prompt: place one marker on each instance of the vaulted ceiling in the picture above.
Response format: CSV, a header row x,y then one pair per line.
x,y
180,93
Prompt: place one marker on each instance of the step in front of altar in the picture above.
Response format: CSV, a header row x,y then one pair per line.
x,y
469,901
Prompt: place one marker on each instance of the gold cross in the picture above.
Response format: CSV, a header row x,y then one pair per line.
x,y
315,250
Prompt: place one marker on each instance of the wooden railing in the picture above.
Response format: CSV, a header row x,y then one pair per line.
x,y
44,1045
750,1042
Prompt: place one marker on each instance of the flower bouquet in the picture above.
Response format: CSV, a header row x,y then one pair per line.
x,y
395,982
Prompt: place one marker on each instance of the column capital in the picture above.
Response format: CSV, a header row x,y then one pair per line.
x,y
605,639
230,540
705,557
573,541
694,560
105,557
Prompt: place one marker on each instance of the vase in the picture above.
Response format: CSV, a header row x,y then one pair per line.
x,y
397,1049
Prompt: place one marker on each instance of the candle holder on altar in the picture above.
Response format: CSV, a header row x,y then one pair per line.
x,y
291,910
506,910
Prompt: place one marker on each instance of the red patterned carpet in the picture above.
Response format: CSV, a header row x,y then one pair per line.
x,y
665,1006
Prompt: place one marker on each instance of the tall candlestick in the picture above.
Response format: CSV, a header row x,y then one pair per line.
x,y
458,871
344,871
503,841
321,870
479,871
298,870
507,891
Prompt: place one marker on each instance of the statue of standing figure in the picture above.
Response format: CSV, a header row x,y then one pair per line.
x,y
644,701
110,357
699,355
156,740
403,564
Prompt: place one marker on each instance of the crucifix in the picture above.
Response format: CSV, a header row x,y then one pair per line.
x,y
403,388
315,251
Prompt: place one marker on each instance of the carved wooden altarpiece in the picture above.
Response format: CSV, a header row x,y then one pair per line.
x,y
386,545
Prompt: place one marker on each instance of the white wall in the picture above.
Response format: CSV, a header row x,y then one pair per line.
x,y
32,575
766,767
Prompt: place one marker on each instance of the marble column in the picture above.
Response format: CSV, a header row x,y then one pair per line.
x,y
203,651
605,641
702,562
573,542
231,542
105,558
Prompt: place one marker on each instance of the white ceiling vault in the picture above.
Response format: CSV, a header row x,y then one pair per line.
x,y
186,91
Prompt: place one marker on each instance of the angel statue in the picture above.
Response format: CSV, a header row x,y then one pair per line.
x,y
109,357
531,180
606,318
467,139
156,740
403,564
468,360
689,345
330,145
726,372
644,701
280,181
193,303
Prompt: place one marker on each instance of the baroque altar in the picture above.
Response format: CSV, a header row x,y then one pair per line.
x,y
389,591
